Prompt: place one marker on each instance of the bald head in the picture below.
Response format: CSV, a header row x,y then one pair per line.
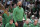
x,y
19,3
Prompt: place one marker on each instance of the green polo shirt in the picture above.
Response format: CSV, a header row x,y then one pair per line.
x,y
18,14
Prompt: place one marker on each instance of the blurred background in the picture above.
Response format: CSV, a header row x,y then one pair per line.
x,y
31,8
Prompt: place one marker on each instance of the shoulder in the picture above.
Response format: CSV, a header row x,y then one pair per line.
x,y
7,24
22,8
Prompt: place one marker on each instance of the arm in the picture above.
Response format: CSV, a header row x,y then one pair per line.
x,y
24,25
14,13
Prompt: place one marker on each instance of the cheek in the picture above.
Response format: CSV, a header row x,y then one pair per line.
x,y
12,21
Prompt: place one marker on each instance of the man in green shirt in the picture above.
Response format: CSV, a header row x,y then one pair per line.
x,y
10,24
35,23
18,14
6,18
26,24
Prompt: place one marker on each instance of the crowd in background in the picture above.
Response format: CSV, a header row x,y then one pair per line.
x,y
31,10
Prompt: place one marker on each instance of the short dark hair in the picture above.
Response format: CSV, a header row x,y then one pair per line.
x,y
11,19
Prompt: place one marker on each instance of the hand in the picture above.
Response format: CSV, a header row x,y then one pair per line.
x,y
16,24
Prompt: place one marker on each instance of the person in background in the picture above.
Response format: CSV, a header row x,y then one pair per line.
x,y
10,24
30,6
14,6
10,8
35,24
6,17
27,23
2,6
18,14
28,14
8,2
39,19
1,25
0,19
32,19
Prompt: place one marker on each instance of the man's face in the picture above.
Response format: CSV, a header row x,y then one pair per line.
x,y
19,3
27,22
35,22
11,21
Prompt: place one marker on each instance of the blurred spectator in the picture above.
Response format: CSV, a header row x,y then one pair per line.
x,y
8,2
1,25
0,19
30,6
32,19
10,24
14,6
1,6
35,24
27,23
6,17
28,14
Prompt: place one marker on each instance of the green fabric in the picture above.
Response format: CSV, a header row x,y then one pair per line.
x,y
32,25
18,14
10,10
10,25
6,18
26,25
